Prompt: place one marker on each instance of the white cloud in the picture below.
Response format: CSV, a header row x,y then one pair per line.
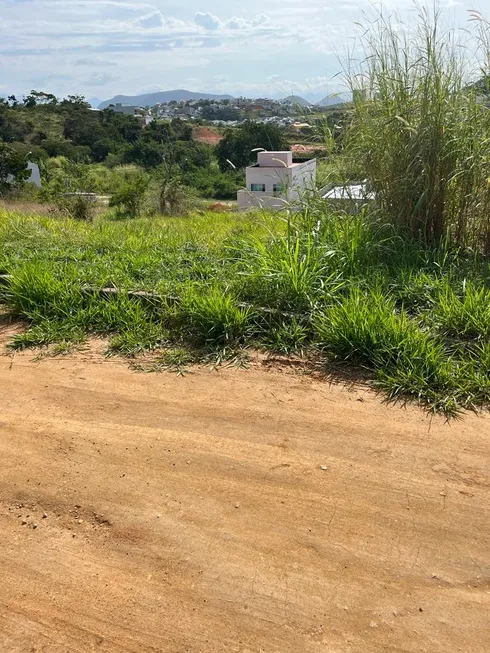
x,y
261,19
208,21
93,62
257,47
242,23
100,79
154,19
235,23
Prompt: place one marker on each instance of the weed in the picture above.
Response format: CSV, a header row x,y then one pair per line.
x,y
414,316
420,132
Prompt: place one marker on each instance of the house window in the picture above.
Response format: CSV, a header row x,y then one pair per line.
x,y
257,188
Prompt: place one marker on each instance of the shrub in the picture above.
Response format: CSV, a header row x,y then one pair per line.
x,y
13,168
128,200
174,198
78,206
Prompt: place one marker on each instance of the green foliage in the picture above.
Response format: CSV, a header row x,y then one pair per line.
x,y
237,144
145,336
465,314
71,189
345,289
128,200
289,337
210,182
218,112
174,198
13,168
215,318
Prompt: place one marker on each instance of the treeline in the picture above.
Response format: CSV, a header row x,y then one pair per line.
x,y
41,127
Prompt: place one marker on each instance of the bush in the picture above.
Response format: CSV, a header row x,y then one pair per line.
x,y
465,315
128,200
212,183
71,189
174,198
13,168
79,206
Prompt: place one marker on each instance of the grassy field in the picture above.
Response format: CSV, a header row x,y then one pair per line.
x,y
343,289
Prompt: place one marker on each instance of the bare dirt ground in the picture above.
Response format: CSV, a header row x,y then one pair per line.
x,y
248,511
207,135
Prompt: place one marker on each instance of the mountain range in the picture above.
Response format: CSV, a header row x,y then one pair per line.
x,y
297,101
180,95
332,100
150,99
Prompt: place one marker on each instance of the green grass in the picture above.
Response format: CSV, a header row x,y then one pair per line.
x,y
348,290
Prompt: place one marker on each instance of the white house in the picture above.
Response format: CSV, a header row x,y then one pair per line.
x,y
275,182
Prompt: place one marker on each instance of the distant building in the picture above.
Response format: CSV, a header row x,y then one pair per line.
x,y
350,199
276,182
127,109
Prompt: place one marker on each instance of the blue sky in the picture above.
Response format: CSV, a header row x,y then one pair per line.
x,y
247,47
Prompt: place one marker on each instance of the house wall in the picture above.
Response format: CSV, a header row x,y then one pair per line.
x,y
248,200
304,177
271,159
269,177
295,179
127,109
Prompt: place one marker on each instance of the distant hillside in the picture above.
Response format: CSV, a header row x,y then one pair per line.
x,y
297,100
151,99
332,100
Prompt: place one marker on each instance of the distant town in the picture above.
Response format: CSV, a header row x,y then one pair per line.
x,y
290,112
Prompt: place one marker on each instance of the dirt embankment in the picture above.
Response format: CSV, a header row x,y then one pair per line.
x,y
249,511
207,135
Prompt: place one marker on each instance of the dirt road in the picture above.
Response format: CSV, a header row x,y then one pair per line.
x,y
249,511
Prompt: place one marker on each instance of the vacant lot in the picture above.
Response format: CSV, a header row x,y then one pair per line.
x,y
237,510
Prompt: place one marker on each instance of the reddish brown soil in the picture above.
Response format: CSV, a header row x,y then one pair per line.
x,y
249,511
207,135
298,148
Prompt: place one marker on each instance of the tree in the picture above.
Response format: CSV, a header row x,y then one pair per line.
x,y
77,100
237,145
40,98
29,101
13,168
100,150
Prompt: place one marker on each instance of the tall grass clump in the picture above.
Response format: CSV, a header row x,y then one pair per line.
x,y
420,130
465,314
214,318
366,329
